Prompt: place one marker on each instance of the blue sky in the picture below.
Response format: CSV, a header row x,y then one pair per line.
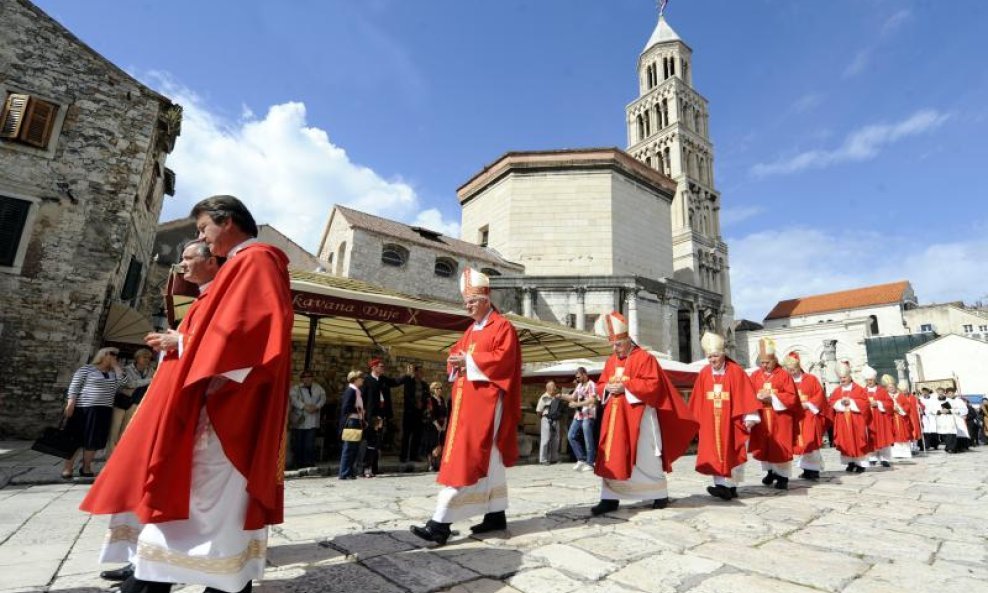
x,y
850,135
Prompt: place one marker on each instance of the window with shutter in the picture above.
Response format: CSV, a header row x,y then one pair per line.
x,y
28,119
13,215
13,115
133,280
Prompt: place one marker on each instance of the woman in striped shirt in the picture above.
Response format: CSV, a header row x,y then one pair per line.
x,y
90,408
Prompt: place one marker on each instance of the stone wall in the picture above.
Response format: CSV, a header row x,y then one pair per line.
x,y
96,194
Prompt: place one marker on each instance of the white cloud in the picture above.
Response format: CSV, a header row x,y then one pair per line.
x,y
770,266
807,102
731,216
286,171
858,64
862,144
892,24
863,58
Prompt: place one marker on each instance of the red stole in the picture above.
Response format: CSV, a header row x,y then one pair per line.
x,y
774,438
621,422
723,436
851,428
244,320
814,425
466,454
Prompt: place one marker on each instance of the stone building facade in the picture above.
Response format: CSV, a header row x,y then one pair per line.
x,y
82,180
948,318
407,259
669,130
591,227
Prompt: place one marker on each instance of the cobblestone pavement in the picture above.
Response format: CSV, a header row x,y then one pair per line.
x,y
921,526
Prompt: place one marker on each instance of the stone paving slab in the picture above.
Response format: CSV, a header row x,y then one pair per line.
x,y
921,526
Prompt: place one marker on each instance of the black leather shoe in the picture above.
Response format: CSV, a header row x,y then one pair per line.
x,y
781,483
769,478
604,506
432,532
247,589
135,585
810,474
859,469
850,468
734,491
722,492
886,464
492,522
660,503
120,574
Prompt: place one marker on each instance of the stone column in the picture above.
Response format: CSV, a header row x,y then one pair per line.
x,y
695,331
829,361
900,369
632,301
528,301
581,307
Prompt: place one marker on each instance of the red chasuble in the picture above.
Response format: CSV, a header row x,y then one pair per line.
x,y
619,428
902,424
721,412
243,321
467,452
851,428
774,438
880,433
915,417
814,425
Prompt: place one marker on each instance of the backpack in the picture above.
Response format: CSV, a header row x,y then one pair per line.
x,y
555,409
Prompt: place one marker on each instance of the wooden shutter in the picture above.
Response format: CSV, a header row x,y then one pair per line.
x,y
13,214
13,115
38,122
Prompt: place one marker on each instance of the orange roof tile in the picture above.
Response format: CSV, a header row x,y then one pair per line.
x,y
882,294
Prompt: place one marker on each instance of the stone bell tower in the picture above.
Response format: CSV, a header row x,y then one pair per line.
x,y
668,129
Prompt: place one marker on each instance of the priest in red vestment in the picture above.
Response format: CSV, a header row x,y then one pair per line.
x,y
646,425
481,437
815,414
773,440
851,415
902,417
881,433
211,428
724,403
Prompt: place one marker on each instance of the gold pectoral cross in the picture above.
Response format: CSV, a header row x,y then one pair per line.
x,y
718,397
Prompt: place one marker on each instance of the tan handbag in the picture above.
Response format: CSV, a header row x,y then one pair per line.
x,y
352,435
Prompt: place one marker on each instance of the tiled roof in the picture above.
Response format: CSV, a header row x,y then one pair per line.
x,y
882,294
430,239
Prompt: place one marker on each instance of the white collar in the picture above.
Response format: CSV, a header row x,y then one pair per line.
x,y
239,247
480,324
204,286
721,371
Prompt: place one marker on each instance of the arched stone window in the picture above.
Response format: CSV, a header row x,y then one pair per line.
x,y
394,255
874,324
445,267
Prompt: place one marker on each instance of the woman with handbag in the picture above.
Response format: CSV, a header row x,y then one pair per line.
x,y
89,409
351,424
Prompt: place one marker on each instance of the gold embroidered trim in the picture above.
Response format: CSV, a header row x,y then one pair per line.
x,y
256,550
627,487
468,498
122,533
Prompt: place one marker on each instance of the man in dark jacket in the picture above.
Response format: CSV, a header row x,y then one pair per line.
x,y
377,404
416,392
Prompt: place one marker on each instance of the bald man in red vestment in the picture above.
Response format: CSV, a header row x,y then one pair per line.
x,y
773,440
211,428
482,434
723,402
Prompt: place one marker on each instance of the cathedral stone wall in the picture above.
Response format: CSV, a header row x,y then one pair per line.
x,y
95,193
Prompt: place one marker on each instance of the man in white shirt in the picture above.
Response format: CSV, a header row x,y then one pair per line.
x,y
306,399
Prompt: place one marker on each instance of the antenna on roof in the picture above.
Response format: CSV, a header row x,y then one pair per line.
x,y
662,6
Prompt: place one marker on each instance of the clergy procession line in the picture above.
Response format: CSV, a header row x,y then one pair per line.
x,y
198,479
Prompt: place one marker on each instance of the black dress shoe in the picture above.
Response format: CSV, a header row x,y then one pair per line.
x,y
492,522
769,478
135,585
886,464
781,483
604,506
810,474
734,491
722,492
120,574
858,469
247,589
432,532
660,503
850,468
